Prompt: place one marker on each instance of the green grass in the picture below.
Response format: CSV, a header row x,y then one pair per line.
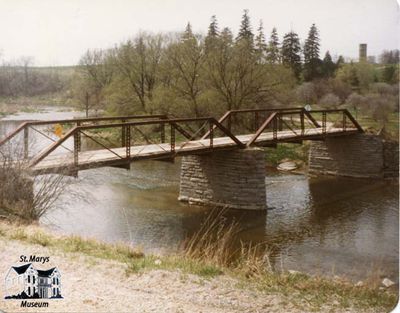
x,y
368,123
290,151
392,126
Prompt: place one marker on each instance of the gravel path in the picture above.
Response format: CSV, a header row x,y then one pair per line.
x,y
97,285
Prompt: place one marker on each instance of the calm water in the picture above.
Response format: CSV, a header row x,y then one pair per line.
x,y
326,225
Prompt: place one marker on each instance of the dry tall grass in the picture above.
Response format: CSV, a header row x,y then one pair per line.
x,y
217,242
25,198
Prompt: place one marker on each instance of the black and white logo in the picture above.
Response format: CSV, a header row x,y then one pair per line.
x,y
27,282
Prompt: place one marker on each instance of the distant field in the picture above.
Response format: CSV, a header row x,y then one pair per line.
x,y
67,70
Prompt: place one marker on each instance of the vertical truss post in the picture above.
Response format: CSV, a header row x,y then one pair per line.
x,y
324,123
162,132
302,122
172,138
211,133
128,141
26,142
344,121
280,124
255,121
123,135
275,126
76,148
78,139
229,122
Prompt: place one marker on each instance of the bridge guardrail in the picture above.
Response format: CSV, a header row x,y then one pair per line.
x,y
126,129
25,126
283,120
230,115
303,124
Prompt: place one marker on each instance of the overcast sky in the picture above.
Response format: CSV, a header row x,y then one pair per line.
x,y
58,32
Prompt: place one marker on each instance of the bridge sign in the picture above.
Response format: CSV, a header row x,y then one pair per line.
x,y
58,130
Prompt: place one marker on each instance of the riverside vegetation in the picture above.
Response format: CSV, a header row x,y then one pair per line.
x,y
207,254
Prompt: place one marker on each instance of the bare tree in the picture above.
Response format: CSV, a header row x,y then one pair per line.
x,y
235,73
306,93
137,63
330,100
96,73
185,60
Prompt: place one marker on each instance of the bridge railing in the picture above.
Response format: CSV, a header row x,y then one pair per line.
x,y
303,124
248,120
66,124
173,138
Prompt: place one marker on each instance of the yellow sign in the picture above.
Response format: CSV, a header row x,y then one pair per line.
x,y
58,130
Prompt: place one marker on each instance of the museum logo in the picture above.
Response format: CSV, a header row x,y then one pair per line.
x,y
26,282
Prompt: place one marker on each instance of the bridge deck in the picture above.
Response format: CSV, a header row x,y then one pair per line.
x,y
104,157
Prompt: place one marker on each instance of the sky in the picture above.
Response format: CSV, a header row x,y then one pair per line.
x,y
58,32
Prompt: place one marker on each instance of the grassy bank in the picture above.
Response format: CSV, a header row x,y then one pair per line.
x,y
391,125
12,105
249,271
288,151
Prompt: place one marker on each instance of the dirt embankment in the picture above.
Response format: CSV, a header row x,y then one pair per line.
x,y
91,284
97,285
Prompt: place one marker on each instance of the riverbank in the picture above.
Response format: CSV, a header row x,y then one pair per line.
x,y
13,105
102,277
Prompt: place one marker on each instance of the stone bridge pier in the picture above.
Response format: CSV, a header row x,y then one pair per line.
x,y
232,179
359,155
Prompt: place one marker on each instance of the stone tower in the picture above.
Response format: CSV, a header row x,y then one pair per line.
x,y
362,56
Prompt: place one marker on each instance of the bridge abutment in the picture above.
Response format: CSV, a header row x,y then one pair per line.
x,y
359,155
233,179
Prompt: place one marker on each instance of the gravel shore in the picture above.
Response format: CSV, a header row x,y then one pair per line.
x,y
95,285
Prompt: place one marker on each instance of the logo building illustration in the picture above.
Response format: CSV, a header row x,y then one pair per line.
x,y
26,282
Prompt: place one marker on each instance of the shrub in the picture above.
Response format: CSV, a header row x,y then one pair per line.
x,y
23,197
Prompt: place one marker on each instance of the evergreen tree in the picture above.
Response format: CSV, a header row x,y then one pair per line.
x,y
261,46
312,62
311,47
273,53
340,61
213,27
390,74
188,33
354,80
245,32
291,52
328,66
226,36
212,35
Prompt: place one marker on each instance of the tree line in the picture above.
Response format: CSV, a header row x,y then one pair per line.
x,y
183,74
20,78
192,74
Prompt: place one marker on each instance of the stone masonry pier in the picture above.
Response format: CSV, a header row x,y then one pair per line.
x,y
233,179
359,155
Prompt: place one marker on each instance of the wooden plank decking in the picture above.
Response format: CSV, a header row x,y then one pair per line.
x,y
104,157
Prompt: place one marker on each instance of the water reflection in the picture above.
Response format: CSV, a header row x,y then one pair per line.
x,y
330,223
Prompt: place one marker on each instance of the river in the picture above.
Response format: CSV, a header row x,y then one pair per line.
x,y
325,225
